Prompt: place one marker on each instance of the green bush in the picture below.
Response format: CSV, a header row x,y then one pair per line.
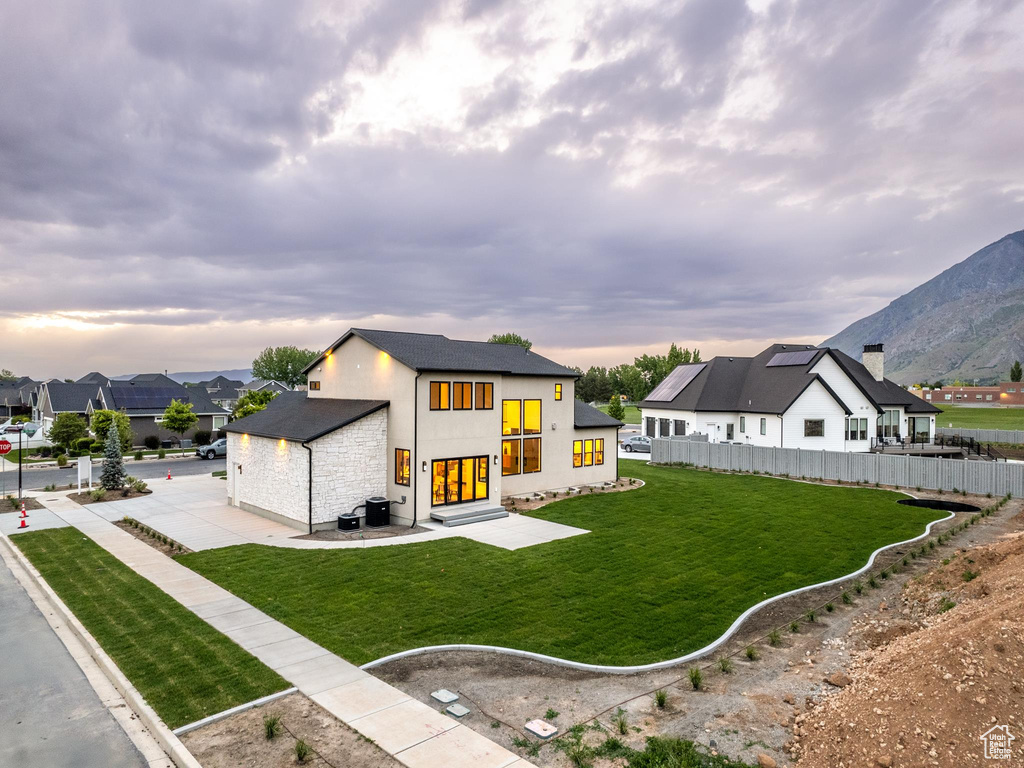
x,y
302,751
725,664
152,442
201,437
62,460
84,444
45,451
271,726
660,698
137,456
696,678
774,638
161,454
752,653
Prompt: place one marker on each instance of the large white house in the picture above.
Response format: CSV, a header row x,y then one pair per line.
x,y
790,395
450,427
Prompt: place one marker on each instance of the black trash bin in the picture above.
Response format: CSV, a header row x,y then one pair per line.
x,y
378,512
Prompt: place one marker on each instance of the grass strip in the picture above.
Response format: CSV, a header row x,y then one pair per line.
x,y
183,667
665,570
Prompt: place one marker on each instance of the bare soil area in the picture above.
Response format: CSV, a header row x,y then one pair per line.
x,y
11,504
86,497
520,504
384,532
239,742
749,712
146,535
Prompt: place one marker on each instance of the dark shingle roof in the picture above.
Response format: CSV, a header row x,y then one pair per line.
x,y
153,380
294,416
72,397
433,352
148,398
586,416
95,377
750,385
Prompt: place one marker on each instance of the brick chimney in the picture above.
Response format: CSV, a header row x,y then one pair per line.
x,y
874,360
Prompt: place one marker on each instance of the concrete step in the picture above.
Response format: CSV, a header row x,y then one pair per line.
x,y
463,516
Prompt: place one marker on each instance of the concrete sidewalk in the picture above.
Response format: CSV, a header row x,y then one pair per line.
x,y
415,733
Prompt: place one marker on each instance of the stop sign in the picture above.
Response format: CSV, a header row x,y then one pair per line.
x,y
5,447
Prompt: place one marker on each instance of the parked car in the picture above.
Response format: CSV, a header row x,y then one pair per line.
x,y
638,443
214,449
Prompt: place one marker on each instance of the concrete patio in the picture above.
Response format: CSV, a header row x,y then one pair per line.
x,y
194,511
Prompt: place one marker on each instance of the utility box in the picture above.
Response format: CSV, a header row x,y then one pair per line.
x,y
348,522
378,512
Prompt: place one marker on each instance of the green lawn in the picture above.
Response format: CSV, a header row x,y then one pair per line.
x,y
666,570
183,667
980,418
632,413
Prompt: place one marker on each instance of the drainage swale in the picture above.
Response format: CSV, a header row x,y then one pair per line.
x,y
945,506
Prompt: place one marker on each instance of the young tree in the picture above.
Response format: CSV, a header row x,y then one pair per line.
x,y
113,475
178,417
7,375
100,425
252,402
66,429
1016,372
511,338
615,409
283,364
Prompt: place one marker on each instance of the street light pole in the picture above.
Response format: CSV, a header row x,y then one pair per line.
x,y
20,431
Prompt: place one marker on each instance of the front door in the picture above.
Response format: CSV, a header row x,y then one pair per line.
x,y
920,429
712,433
456,481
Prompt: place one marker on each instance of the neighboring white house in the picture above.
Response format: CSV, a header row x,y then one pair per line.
x,y
790,395
451,427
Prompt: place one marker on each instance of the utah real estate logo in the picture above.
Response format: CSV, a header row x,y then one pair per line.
x,y
997,742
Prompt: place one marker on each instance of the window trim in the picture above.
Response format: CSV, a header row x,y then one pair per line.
x,y
808,422
575,453
558,392
482,461
540,415
461,386
599,452
519,432
441,385
764,425
743,425
519,455
589,453
314,386
488,387
522,456
408,466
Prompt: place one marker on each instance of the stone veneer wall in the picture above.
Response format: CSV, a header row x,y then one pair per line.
x,y
349,465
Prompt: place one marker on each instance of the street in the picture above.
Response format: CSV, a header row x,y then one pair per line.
x,y
37,478
51,714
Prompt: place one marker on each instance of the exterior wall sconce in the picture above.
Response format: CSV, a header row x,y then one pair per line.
x,y
495,459
424,466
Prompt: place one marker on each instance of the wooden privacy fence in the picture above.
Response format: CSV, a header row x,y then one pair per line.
x,y
1015,436
995,477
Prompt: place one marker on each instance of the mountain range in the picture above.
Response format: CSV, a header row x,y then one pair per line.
x,y
243,375
966,323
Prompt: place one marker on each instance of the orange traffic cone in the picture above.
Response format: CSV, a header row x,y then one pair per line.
x,y
168,473
23,524
23,512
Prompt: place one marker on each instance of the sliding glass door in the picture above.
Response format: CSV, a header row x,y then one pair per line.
x,y
455,481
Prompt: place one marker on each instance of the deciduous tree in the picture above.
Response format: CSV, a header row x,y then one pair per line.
x,y
66,429
100,425
283,364
252,402
511,338
178,417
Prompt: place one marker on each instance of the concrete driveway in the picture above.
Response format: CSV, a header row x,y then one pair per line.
x,y
50,713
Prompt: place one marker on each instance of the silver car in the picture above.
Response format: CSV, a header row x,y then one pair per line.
x,y
638,443
214,449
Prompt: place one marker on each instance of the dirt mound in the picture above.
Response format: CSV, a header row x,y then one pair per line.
x,y
925,698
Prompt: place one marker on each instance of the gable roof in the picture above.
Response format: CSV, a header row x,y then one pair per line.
x,y
220,382
152,380
434,352
294,416
586,416
94,377
257,384
75,398
751,385
150,399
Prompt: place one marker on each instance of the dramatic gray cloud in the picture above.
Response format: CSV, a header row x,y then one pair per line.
x,y
183,184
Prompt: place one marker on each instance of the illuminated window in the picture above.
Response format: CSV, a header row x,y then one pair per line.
x,y
511,421
401,466
558,391
510,457
455,481
314,385
440,395
588,453
531,455
462,396
577,453
531,417
814,427
484,396
599,451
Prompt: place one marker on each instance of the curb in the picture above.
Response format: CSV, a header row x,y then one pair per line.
x,y
234,711
128,459
170,744
629,670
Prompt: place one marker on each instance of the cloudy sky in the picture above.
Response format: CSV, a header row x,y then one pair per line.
x,y
182,184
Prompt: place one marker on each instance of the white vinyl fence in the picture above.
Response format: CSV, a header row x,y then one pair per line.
x,y
995,477
1015,436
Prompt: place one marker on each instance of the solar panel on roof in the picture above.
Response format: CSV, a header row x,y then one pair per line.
x,y
676,382
146,397
801,357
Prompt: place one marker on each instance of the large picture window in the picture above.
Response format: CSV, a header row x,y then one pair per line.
x,y
440,395
814,427
462,396
577,453
588,453
599,451
511,417
484,396
531,455
531,417
680,427
510,458
401,466
856,429
889,424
